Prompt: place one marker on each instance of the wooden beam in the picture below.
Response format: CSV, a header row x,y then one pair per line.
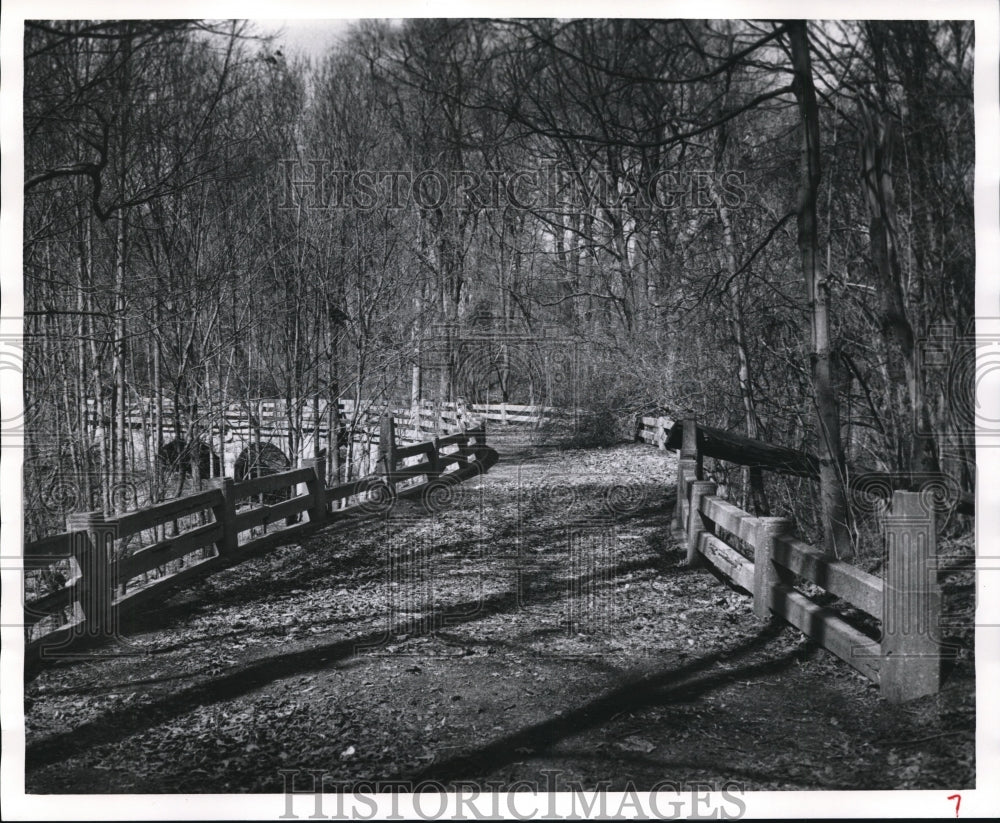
x,y
172,548
745,451
860,589
48,550
729,517
48,604
726,559
829,630
164,512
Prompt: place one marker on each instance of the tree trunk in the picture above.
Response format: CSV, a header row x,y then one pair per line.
x,y
753,478
897,330
416,376
81,363
833,497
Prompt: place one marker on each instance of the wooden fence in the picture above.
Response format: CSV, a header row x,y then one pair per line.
x,y
863,484
271,413
905,661
653,430
513,414
106,587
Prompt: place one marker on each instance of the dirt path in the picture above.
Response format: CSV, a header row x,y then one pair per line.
x,y
540,626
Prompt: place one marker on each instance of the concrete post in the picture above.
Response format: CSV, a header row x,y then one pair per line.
x,y
765,574
911,605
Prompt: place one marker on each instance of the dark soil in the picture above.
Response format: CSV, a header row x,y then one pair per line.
x,y
540,626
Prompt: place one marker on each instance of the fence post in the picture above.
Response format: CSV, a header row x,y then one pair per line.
x,y
685,470
696,523
316,486
688,466
387,448
689,443
415,417
479,433
766,575
433,459
225,515
911,603
94,553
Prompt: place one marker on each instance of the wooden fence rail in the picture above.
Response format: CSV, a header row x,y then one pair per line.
x,y
724,445
103,587
273,414
906,659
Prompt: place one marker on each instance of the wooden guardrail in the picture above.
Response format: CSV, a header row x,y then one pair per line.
x,y
653,430
905,661
427,417
514,414
104,587
724,445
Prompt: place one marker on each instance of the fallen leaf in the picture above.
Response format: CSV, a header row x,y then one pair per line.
x,y
636,744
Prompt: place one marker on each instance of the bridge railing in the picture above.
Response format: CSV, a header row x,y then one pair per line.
x,y
510,414
427,416
653,430
761,556
101,586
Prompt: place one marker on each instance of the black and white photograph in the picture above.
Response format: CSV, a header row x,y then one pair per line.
x,y
500,412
